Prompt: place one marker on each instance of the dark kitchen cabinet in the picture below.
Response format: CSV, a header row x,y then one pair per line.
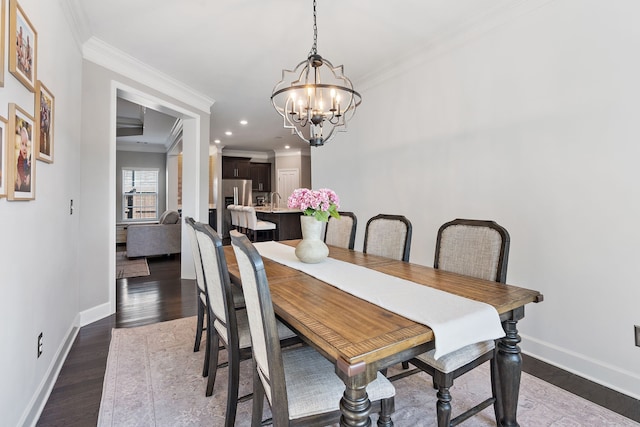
x,y
287,224
236,167
261,177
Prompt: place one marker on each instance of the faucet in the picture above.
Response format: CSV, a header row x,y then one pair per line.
x,y
277,200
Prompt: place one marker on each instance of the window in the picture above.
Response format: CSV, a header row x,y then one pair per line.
x,y
139,194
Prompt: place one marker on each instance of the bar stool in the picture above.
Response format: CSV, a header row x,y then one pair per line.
x,y
234,216
254,225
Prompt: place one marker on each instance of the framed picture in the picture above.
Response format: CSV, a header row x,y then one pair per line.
x,y
23,46
2,31
3,157
44,117
21,154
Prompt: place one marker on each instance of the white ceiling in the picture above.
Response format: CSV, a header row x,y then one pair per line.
x,y
234,51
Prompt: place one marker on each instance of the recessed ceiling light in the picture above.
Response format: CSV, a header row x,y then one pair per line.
x,y
243,122
228,133
217,141
287,147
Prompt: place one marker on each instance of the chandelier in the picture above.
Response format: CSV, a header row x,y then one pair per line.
x,y
313,104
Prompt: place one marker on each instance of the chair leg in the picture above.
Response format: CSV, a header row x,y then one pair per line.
x,y
207,349
258,399
213,359
200,325
495,384
443,407
387,407
232,389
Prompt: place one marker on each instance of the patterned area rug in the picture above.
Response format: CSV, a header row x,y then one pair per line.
x,y
154,378
126,267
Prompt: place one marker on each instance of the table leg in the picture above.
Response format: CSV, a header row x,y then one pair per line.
x,y
509,367
355,404
355,407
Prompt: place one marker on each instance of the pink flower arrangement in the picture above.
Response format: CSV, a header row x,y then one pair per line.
x,y
317,203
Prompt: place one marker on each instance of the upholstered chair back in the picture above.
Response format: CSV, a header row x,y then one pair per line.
x,y
388,236
234,215
195,250
262,323
473,248
242,217
251,217
341,231
214,278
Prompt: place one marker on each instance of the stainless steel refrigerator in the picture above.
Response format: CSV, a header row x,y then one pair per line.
x,y
234,192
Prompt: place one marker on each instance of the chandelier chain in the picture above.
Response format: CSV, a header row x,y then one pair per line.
x,y
314,48
308,98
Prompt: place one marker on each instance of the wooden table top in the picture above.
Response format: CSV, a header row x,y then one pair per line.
x,y
345,327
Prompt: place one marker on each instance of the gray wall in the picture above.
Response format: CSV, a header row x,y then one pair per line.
x,y
39,238
531,122
136,159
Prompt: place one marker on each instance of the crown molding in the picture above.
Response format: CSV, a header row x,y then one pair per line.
x,y
473,29
77,20
105,55
292,152
254,155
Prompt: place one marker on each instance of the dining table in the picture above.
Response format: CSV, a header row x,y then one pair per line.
x,y
361,338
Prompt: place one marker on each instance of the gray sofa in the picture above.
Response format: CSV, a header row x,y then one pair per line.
x,y
163,238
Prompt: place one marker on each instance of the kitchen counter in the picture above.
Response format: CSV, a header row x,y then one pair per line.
x,y
276,210
287,221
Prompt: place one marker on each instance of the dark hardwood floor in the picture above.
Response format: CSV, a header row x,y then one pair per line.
x,y
162,296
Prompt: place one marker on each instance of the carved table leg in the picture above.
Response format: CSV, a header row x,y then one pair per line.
x,y
355,404
509,366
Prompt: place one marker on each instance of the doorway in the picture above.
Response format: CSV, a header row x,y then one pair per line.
x,y
288,180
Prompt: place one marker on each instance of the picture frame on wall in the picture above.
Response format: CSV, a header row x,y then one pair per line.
x,y
2,31
44,114
3,157
23,46
20,154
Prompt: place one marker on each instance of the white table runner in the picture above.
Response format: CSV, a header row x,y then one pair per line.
x,y
456,321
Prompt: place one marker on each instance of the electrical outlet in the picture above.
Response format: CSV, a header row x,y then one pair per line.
x,y
637,328
40,344
71,207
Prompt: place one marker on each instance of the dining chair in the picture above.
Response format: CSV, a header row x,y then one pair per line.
x,y
300,384
202,292
479,249
254,226
238,297
227,324
341,231
388,236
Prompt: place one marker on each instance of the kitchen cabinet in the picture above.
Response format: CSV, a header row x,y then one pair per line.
x,y
236,167
213,219
287,224
261,177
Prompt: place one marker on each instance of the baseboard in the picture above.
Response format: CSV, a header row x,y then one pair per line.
x,y
96,313
594,370
39,400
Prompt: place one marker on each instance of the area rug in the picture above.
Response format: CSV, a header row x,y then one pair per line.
x,y
126,267
153,378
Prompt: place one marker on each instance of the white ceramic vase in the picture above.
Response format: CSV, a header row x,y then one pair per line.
x,y
311,248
